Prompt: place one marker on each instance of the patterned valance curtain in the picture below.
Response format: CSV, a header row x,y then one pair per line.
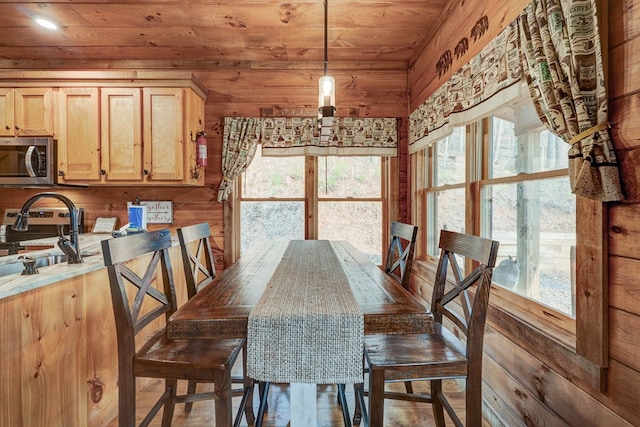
x,y
562,62
240,140
488,81
299,136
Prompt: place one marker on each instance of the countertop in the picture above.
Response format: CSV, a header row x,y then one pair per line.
x,y
90,249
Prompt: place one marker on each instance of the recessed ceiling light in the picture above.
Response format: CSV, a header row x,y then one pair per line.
x,y
47,23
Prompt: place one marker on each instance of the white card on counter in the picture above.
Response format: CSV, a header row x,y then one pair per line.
x,y
104,225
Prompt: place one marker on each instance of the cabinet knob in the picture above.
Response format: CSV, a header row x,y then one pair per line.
x,y
7,127
60,173
103,172
145,172
17,127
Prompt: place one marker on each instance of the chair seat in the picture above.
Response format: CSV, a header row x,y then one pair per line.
x,y
413,356
193,359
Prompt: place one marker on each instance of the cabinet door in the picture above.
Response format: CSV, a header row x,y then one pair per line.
x,y
121,134
33,112
6,112
78,134
164,133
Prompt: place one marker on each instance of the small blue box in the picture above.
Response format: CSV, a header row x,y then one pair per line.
x,y
137,217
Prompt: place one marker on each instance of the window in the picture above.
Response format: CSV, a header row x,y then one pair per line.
x,y
526,205
344,199
507,179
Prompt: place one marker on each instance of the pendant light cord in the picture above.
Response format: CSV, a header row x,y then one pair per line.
x,y
326,18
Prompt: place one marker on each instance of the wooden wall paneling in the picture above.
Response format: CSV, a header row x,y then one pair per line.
x,y
570,404
622,396
496,411
624,68
625,21
625,341
624,230
624,286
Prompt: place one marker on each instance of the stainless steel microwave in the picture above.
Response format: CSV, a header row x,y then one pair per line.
x,y
27,161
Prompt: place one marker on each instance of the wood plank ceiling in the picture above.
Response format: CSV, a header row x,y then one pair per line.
x,y
258,32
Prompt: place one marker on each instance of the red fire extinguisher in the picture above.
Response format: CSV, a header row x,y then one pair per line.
x,y
201,148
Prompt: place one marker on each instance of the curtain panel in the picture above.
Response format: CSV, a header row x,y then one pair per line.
x,y
239,143
299,136
562,62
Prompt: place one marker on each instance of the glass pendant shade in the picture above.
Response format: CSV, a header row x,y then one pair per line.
x,y
327,91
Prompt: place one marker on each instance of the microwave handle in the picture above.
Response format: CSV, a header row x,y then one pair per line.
x,y
31,151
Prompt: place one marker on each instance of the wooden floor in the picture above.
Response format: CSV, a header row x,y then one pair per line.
x,y
397,413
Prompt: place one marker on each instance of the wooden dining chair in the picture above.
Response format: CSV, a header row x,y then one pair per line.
x,y
143,297
442,354
400,253
199,271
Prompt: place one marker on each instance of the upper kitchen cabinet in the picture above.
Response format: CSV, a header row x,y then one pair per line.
x,y
172,118
121,135
130,133
78,133
26,111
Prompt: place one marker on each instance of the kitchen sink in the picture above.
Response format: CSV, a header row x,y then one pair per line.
x,y
44,261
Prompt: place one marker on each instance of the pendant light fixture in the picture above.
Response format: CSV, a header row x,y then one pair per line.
x,y
327,91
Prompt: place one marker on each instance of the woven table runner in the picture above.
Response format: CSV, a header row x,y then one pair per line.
x,y
307,326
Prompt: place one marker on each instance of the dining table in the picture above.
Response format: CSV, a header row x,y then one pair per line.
x,y
304,307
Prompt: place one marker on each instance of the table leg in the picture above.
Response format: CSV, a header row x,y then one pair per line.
x,y
302,400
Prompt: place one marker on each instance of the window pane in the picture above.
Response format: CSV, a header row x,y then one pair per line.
x,y
359,223
270,221
448,209
274,177
450,158
349,177
532,151
534,221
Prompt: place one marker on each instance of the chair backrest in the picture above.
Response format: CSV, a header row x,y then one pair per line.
x,y
470,319
136,302
199,266
400,254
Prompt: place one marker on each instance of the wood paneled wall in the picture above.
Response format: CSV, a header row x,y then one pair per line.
x,y
521,386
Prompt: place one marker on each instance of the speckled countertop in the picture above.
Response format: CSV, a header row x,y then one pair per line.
x,y
90,249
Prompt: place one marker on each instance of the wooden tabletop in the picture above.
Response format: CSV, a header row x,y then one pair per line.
x,y
222,309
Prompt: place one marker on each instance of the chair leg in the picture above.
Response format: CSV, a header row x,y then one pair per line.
x,y
264,391
436,396
126,398
342,399
171,387
223,404
191,389
248,385
376,398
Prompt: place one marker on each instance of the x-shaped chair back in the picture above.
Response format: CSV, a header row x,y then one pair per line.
x,y
400,253
199,265
483,254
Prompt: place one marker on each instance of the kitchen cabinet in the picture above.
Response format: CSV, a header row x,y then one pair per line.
x,y
121,135
129,135
26,111
78,134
